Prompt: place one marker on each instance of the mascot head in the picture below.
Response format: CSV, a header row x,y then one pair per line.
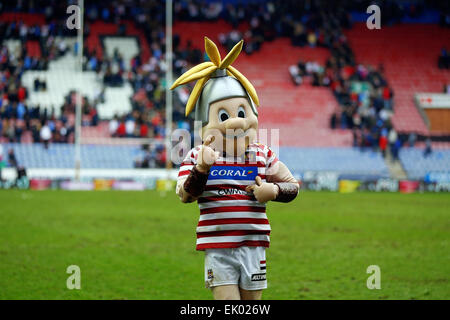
x,y
224,101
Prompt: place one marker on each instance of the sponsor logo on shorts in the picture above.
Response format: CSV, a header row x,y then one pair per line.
x,y
262,264
258,277
210,274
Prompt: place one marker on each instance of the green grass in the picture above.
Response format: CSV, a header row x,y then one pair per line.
x,y
140,245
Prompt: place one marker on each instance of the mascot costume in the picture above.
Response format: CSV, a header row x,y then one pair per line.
x,y
231,177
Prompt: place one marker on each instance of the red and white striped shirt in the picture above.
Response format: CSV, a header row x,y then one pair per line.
x,y
230,217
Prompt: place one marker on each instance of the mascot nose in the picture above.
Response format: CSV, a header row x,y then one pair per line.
x,y
235,123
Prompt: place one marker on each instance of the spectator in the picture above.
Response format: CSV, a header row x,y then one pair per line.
x,y
382,143
46,135
121,130
312,39
129,127
428,150
299,37
412,139
396,149
149,160
392,138
333,121
12,160
63,133
2,163
388,94
113,126
295,75
143,130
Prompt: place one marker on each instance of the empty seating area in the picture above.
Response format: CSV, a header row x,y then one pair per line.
x,y
345,161
63,155
349,162
417,165
62,75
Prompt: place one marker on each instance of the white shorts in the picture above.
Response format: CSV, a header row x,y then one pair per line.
x,y
243,266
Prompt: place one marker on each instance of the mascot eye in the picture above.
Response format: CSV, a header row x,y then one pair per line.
x,y
223,115
241,112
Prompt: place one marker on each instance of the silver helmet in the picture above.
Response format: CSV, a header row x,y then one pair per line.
x,y
219,87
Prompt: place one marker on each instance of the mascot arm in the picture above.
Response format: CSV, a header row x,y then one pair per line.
x,y
288,186
182,194
190,187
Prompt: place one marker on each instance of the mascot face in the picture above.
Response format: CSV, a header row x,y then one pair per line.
x,y
233,124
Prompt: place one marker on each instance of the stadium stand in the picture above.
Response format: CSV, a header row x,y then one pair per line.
x,y
407,52
301,113
344,161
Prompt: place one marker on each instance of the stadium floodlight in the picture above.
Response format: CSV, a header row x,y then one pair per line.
x,y
79,96
168,82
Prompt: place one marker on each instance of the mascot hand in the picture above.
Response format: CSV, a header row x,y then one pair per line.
x,y
206,156
263,191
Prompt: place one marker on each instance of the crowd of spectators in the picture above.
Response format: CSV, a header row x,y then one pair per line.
x,y
306,23
49,36
112,69
365,109
154,157
17,116
43,124
146,118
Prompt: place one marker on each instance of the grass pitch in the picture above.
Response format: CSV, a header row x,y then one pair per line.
x,y
141,245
